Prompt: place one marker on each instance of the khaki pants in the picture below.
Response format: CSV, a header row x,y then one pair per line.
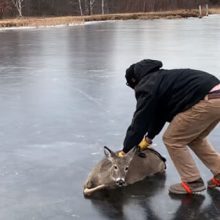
x,y
191,128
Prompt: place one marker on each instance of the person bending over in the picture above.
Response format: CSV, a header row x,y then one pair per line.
x,y
190,101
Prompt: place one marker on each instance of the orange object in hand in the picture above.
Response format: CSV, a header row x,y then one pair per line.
x,y
145,143
121,154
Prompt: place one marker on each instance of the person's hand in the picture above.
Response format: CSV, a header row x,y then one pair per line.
x,y
145,143
120,153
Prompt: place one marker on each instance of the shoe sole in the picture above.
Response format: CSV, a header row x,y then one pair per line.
x,y
212,186
199,189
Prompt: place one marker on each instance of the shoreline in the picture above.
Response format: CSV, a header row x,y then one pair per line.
x,y
31,22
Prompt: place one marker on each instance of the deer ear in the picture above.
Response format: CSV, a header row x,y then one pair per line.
x,y
108,152
131,153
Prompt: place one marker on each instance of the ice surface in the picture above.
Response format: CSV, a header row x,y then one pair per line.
x,y
63,97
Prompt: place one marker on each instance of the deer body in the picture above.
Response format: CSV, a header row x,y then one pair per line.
x,y
112,171
140,167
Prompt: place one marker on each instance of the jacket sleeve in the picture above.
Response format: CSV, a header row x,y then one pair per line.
x,y
156,126
140,122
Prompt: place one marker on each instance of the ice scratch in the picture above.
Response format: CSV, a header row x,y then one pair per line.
x,y
90,98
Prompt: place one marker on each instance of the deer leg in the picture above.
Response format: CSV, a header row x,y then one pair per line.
x,y
89,192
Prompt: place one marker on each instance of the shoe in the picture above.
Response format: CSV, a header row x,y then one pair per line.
x,y
214,182
188,187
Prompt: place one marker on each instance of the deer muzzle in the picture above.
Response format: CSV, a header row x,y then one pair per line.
x,y
120,182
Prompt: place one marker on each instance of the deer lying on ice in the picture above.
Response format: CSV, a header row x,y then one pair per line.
x,y
114,171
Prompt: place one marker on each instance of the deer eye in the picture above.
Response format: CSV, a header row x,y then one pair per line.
x,y
115,167
126,168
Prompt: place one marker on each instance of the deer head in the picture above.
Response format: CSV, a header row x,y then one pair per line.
x,y
119,165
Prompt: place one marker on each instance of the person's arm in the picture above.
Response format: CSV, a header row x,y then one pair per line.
x,y
140,123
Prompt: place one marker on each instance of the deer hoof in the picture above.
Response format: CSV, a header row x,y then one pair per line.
x,y
87,192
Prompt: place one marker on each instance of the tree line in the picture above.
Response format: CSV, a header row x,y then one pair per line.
x,y
13,8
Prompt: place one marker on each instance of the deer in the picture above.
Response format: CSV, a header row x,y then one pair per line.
x,y
113,171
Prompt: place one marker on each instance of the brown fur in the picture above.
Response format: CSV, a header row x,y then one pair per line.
x,y
104,175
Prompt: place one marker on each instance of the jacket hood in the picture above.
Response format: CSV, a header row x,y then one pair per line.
x,y
144,67
139,70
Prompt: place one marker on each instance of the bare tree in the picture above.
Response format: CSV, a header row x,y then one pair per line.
x,y
80,7
19,5
103,7
91,6
77,4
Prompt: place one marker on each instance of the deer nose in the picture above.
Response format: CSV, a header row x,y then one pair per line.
x,y
120,181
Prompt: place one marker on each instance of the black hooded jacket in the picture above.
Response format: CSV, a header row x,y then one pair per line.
x,y
161,94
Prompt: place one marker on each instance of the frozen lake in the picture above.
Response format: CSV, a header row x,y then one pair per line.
x,y
63,97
